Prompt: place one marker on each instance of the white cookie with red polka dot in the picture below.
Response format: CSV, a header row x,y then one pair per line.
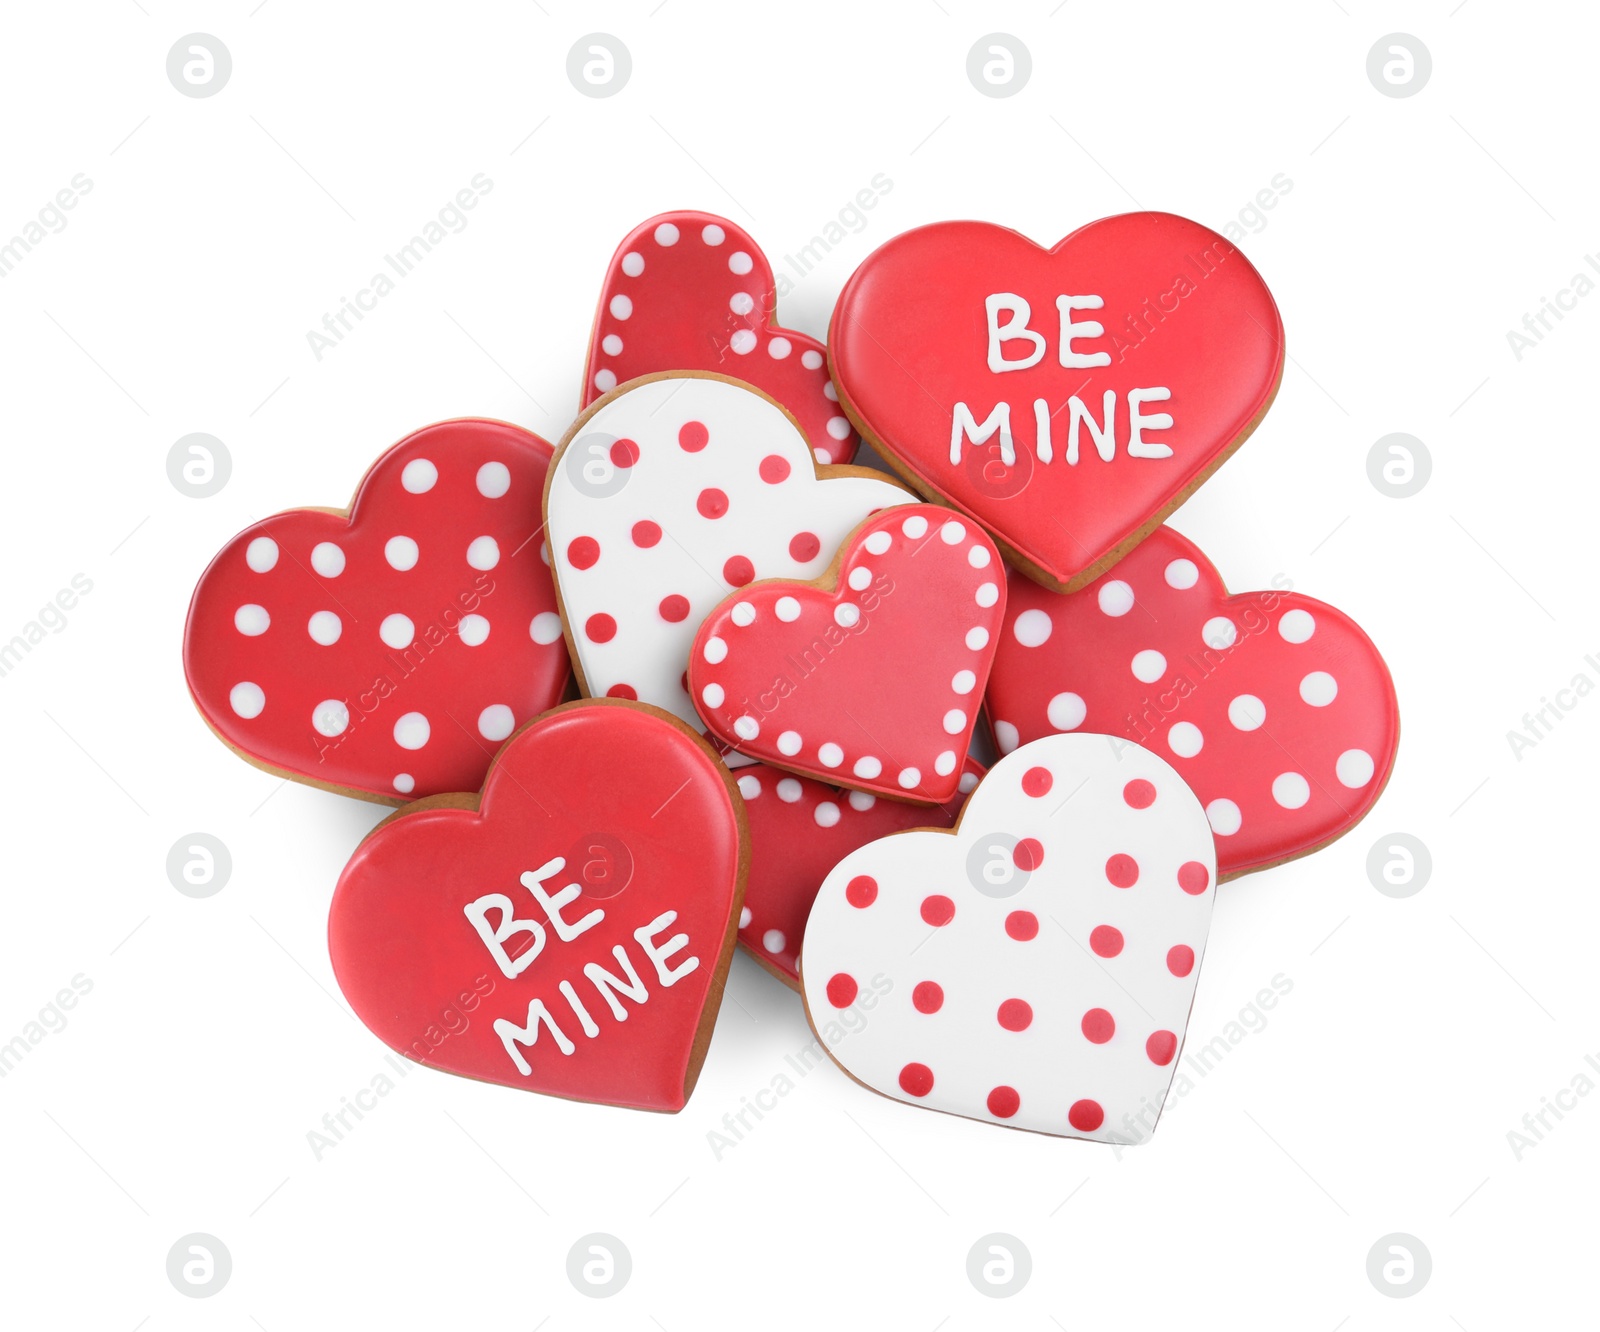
x,y
665,495
1040,958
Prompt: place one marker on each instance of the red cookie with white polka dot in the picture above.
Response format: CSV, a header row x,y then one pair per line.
x,y
871,676
386,650
1275,708
799,830
1035,966
692,291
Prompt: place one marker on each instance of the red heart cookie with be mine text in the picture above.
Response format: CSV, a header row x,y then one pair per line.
x,y
1068,399
386,650
568,931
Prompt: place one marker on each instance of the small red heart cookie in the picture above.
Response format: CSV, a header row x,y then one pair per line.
x,y
1035,966
1069,398
870,677
801,829
386,650
569,931
1275,708
692,291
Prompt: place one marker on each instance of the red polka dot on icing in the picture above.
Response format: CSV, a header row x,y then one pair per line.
x,y
674,609
1022,925
1036,782
927,997
937,909
711,502
1098,1026
1086,1116
1015,1014
916,1079
582,552
1193,877
804,547
1139,793
1004,1102
1161,1046
1180,959
622,691
1028,854
842,990
738,571
1122,870
774,468
861,891
646,533
1106,940
600,628
624,453
693,436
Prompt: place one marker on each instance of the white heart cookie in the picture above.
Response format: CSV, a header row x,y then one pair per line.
x,y
1037,963
665,495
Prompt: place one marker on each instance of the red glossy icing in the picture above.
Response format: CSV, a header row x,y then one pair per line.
x,y
698,294
873,682
1182,310
650,834
483,651
1224,660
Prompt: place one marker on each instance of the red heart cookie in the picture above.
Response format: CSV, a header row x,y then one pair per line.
x,y
387,650
799,830
1069,398
569,931
1275,708
871,676
692,291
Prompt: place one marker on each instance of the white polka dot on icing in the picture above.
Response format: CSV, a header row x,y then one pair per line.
x,y
712,695
859,579
822,456
496,722
978,557
330,717
789,790
1182,574
986,595
829,392
611,345
247,699
778,348
830,755
862,801
412,731
397,631
977,638
1354,768
1319,689
846,614
745,918
1291,790
483,553
474,630
1247,712
605,380
494,478
878,543
1006,737
787,609
945,764
251,620
667,234
1296,626
909,777
741,302
1033,627
325,627
1115,597
826,814
747,727
327,559
1149,665
1185,739
743,341
1066,711
773,941
401,553
621,306
715,650
405,783
955,721
1219,632
545,628
739,262
789,743
915,527
743,614
839,427
812,360
868,767
967,782
952,533
419,476
632,265
261,554
964,682
1224,817
712,234
749,788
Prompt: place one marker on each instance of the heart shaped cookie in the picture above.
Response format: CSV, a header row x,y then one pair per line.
x,y
386,650
1069,398
870,677
1276,709
799,830
1035,966
663,496
568,931
692,291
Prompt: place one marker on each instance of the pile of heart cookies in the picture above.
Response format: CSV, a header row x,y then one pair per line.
x,y
691,679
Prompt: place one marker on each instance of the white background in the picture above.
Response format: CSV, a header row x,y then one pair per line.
x,y
1418,1032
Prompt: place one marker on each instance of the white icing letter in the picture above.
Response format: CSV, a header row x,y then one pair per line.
x,y
610,986
578,1010
1090,328
1137,448
1014,328
645,934
533,881
494,937
962,425
1105,442
1041,432
512,1035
